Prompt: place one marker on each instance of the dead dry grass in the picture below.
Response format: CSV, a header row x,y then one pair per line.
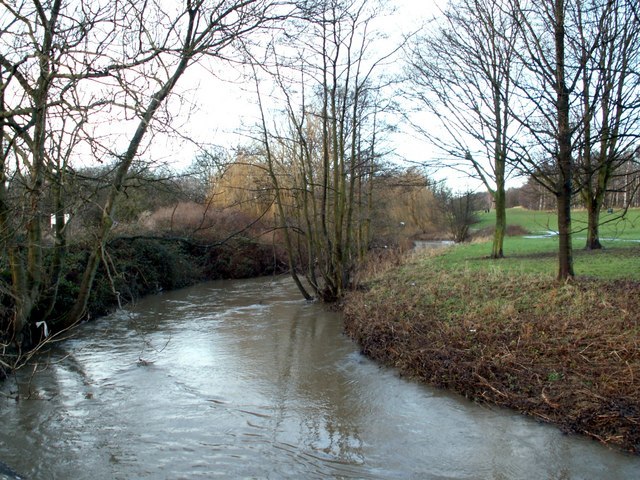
x,y
568,354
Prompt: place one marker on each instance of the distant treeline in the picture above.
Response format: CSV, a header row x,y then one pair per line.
x,y
623,191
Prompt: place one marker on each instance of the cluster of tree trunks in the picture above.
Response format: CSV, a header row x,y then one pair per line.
x,y
66,68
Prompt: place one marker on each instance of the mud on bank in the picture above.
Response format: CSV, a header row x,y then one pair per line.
x,y
567,354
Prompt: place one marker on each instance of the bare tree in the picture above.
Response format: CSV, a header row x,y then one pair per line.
x,y
461,74
321,157
43,57
550,80
610,108
205,168
456,213
577,103
70,71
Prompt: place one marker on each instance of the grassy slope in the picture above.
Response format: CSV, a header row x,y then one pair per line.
x,y
613,227
619,259
505,332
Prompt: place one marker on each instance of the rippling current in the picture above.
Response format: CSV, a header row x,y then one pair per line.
x,y
243,379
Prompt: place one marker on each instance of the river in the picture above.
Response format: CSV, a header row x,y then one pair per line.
x,y
243,379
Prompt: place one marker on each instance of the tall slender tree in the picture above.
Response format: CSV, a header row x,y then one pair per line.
x,y
546,92
577,102
461,73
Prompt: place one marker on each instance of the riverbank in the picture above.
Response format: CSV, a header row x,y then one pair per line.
x,y
564,353
134,267
140,266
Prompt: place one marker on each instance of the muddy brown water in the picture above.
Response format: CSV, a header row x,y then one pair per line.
x,y
243,379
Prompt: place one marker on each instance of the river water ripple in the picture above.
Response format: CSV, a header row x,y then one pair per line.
x,y
242,379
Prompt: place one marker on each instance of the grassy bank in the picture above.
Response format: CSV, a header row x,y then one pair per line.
x,y
539,256
505,332
536,251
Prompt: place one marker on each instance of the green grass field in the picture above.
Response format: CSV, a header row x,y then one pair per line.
x,y
613,227
536,251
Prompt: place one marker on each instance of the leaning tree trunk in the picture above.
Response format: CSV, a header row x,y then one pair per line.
x,y
80,306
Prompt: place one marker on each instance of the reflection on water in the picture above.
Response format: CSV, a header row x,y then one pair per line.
x,y
243,379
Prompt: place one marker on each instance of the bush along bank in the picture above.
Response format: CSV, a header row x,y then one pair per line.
x,y
143,266
563,353
135,267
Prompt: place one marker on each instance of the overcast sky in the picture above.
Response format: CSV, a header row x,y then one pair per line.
x,y
221,111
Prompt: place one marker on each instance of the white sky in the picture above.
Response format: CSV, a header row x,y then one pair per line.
x,y
222,109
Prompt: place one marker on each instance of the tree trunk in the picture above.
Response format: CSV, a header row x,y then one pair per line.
x,y
499,197
594,199
564,191
565,249
593,225
23,302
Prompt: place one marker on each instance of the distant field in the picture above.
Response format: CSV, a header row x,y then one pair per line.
x,y
613,228
536,252
506,332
